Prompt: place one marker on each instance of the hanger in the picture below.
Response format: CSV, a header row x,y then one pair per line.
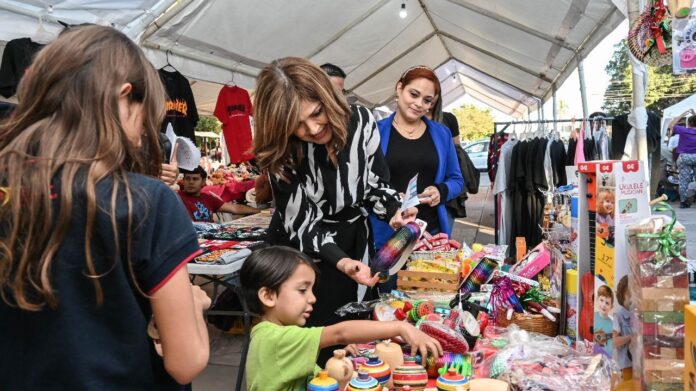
x,y
168,63
42,35
230,83
527,128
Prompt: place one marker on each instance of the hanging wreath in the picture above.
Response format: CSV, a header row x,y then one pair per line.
x,y
650,36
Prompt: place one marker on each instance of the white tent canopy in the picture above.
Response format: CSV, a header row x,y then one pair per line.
x,y
675,111
506,54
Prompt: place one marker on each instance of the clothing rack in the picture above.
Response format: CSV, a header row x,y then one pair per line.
x,y
549,120
505,125
544,121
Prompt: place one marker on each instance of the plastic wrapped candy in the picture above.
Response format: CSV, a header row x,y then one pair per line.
x,y
450,340
532,361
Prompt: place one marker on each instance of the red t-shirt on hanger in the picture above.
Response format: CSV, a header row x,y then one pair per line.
x,y
233,109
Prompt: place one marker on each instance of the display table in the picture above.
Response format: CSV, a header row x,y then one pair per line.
x,y
231,191
261,219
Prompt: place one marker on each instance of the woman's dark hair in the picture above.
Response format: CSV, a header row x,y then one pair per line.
x,y
270,268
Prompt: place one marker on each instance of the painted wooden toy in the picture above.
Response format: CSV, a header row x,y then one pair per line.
x,y
377,368
451,381
340,368
364,382
323,383
410,375
391,354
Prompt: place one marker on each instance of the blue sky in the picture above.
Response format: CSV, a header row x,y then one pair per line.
x,y
596,80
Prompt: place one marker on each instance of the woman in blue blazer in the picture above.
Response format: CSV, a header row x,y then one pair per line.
x,y
413,144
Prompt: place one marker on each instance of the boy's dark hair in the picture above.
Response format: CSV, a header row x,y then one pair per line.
x,y
198,170
269,267
333,70
605,291
621,290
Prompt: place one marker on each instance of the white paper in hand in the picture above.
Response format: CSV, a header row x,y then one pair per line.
x,y
188,156
411,195
171,136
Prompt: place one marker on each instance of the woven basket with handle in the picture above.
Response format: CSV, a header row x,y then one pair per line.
x,y
641,39
528,322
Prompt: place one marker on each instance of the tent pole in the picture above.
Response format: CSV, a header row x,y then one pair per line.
x,y
638,103
226,65
555,109
583,90
135,27
168,14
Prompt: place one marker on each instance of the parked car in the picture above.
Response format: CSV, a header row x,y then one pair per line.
x,y
478,153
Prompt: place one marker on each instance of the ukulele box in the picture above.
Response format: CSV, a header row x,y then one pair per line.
x,y
616,195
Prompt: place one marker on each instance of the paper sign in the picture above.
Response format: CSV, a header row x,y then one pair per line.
x,y
188,156
411,196
171,136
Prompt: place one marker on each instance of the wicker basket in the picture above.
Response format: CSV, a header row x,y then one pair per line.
x,y
639,36
529,322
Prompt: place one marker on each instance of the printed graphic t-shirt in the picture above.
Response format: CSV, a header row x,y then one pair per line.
x,y
181,107
203,207
234,110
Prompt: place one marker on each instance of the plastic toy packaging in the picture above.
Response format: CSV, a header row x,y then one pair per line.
x,y
362,308
684,44
659,289
450,340
531,361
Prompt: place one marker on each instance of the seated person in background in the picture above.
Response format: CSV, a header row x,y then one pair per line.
x,y
336,75
201,206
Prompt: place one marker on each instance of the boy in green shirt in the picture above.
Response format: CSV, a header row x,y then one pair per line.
x,y
277,283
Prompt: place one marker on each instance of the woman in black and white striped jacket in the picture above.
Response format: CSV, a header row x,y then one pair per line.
x,y
327,173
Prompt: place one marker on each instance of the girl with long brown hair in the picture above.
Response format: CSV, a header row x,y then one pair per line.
x,y
91,244
326,174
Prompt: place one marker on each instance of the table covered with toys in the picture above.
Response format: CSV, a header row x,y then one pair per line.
x,y
499,324
231,183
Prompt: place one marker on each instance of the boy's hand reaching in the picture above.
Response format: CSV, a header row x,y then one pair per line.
x,y
352,350
420,342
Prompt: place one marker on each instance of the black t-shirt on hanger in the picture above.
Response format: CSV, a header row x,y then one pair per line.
x,y
181,107
16,58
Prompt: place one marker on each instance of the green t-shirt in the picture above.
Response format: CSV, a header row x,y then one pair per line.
x,y
282,358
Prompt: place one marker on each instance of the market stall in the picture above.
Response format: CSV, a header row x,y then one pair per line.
x,y
543,319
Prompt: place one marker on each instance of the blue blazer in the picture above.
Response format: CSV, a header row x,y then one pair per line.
x,y
448,172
